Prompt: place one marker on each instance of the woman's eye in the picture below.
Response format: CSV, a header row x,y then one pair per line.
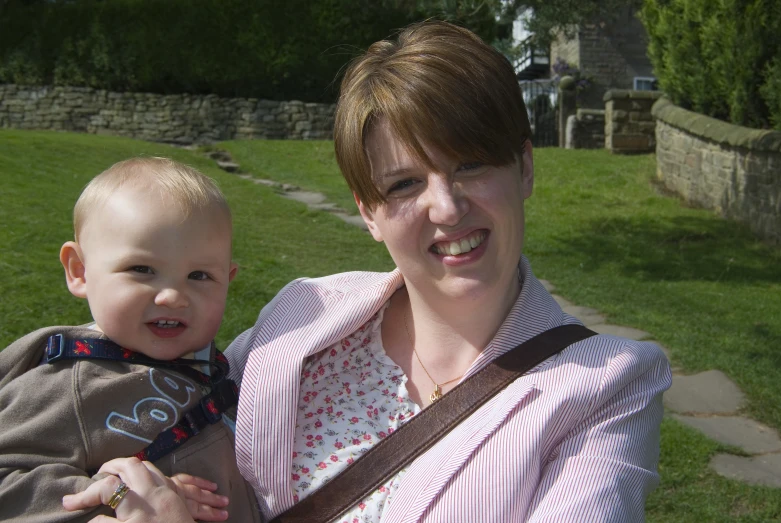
x,y
142,269
198,275
402,184
470,166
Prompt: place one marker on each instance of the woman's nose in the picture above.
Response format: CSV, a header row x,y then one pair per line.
x,y
447,203
172,298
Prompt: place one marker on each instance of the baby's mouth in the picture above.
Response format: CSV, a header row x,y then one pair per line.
x,y
166,324
166,328
462,246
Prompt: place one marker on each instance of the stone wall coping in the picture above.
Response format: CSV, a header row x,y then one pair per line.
x,y
591,112
716,130
623,94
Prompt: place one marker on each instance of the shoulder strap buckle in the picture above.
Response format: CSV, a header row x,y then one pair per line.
x,y
55,348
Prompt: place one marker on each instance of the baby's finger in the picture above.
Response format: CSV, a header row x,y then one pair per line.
x,y
187,479
96,494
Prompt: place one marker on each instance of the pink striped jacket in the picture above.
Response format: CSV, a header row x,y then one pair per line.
x,y
576,439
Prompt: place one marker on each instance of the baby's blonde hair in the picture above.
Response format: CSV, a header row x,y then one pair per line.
x,y
185,186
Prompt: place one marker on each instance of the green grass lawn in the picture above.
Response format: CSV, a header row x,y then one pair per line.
x,y
596,228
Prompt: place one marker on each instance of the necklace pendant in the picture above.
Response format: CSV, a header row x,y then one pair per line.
x,y
436,394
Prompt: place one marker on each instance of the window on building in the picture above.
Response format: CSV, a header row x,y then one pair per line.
x,y
644,83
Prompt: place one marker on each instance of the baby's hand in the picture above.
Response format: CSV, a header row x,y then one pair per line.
x,y
199,497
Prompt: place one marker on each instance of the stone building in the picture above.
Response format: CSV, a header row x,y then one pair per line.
x,y
611,53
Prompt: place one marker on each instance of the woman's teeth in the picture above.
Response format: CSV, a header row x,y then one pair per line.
x,y
462,246
167,324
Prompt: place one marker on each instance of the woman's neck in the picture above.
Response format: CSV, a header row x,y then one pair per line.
x,y
450,334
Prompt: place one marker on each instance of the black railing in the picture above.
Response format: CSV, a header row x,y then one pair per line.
x,y
541,98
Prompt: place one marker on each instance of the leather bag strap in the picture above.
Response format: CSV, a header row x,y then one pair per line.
x,y
420,433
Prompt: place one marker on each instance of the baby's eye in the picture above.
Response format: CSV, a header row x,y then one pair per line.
x,y
401,185
142,269
199,275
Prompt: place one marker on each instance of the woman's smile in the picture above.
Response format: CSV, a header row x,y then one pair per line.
x,y
460,246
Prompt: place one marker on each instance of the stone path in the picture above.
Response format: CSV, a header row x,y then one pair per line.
x,y
709,401
313,200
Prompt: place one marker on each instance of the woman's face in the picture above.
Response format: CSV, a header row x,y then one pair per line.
x,y
455,232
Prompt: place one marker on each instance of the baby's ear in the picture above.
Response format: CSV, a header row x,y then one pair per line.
x,y
73,263
233,270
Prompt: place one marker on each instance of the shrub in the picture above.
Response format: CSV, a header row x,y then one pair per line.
x,y
714,57
263,48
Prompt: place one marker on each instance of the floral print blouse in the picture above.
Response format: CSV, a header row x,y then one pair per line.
x,y
352,395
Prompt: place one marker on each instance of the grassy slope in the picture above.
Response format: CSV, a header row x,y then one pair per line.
x,y
303,163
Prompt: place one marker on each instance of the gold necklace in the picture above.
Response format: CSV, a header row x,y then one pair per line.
x,y
437,386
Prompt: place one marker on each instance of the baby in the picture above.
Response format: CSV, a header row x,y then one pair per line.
x,y
152,256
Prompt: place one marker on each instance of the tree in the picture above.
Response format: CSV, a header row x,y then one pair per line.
x,y
493,19
549,17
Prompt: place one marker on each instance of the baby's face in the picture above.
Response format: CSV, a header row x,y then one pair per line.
x,y
156,281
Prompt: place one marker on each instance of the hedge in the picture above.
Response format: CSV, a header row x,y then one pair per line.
x,y
260,48
719,57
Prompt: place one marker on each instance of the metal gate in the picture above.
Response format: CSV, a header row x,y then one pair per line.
x,y
541,97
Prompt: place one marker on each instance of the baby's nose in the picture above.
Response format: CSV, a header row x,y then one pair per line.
x,y
172,298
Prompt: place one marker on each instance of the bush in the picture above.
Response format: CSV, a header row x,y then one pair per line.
x,y
260,48
716,57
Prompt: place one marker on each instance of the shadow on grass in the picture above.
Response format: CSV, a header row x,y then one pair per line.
x,y
675,249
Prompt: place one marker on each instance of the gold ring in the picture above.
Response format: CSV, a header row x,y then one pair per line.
x,y
118,495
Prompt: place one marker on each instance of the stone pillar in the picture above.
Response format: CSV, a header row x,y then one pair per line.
x,y
629,124
568,106
569,132
586,129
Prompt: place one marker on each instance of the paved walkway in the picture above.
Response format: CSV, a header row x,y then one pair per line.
x,y
709,401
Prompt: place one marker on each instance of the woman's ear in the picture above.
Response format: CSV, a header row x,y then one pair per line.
x,y
368,218
75,273
527,170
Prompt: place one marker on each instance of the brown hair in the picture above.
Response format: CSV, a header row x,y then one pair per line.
x,y
437,84
185,186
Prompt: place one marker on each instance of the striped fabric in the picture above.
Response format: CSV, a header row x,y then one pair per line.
x,y
577,439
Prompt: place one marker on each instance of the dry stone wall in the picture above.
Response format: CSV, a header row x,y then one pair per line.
x,y
731,169
181,118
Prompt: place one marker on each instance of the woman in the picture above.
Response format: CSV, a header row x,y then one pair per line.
x,y
432,136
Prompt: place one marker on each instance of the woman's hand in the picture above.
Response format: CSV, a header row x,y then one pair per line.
x,y
199,497
152,497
